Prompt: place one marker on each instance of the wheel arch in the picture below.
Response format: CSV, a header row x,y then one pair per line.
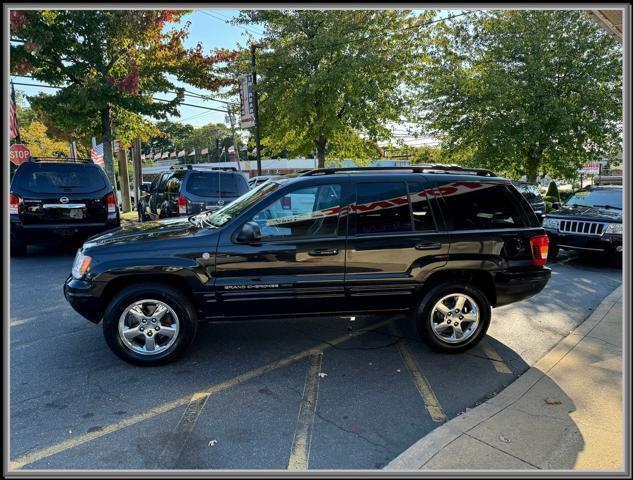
x,y
478,278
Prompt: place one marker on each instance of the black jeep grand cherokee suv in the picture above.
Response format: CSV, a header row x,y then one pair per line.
x,y
440,241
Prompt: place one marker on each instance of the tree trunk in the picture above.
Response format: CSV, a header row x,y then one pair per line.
x,y
534,159
106,128
320,144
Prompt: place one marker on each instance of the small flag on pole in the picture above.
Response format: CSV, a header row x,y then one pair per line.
x,y
97,155
14,131
204,151
181,153
192,153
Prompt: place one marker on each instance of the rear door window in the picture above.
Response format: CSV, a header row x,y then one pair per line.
x,y
420,208
482,206
382,208
215,184
56,178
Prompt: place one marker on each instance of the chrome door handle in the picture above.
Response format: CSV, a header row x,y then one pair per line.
x,y
428,246
323,252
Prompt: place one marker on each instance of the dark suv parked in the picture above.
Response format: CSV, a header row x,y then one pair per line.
x,y
190,189
589,221
63,201
442,242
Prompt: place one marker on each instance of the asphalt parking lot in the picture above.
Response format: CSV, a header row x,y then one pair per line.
x,y
327,393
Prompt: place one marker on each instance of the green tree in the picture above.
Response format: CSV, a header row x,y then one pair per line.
x,y
522,91
107,59
170,136
328,72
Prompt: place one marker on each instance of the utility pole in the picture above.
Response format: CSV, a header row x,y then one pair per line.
x,y
124,180
217,149
235,146
256,109
138,177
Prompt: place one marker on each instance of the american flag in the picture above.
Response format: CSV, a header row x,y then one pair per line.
x,y
97,155
13,130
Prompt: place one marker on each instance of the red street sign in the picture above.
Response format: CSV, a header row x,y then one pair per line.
x,y
19,154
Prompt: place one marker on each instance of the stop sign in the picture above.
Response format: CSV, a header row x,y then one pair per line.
x,y
19,154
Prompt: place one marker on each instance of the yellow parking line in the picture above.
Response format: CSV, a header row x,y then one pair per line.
x,y
431,402
88,437
300,451
495,358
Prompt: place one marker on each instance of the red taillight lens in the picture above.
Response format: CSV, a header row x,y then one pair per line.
x,y
182,205
111,202
14,203
540,249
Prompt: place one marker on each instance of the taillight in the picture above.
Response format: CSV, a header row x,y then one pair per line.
x,y
111,202
182,205
540,248
14,203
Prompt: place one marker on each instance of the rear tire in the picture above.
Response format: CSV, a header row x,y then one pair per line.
x,y
130,310
444,328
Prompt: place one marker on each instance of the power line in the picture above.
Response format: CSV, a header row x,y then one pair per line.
x,y
187,94
153,98
223,20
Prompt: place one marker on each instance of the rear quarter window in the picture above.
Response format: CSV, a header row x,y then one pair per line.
x,y
56,178
483,206
214,184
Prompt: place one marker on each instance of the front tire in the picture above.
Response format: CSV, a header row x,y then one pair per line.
x,y
453,317
149,324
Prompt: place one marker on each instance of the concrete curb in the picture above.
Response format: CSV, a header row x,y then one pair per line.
x,y
427,447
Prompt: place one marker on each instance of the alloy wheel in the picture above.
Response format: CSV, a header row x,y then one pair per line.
x,y
455,318
148,327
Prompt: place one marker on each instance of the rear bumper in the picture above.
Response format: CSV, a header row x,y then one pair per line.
x,y
47,233
607,243
81,296
515,286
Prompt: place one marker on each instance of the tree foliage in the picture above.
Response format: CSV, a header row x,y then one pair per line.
x,y
326,73
522,91
106,60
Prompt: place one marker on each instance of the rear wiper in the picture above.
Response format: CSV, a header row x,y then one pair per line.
x,y
608,206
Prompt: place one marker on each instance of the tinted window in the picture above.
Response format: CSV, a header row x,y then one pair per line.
x,y
214,184
382,208
307,212
163,182
599,197
56,178
475,205
154,184
532,193
422,216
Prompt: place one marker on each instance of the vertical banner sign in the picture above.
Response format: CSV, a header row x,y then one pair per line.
x,y
247,114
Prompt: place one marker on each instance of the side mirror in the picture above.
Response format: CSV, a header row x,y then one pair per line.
x,y
249,233
556,205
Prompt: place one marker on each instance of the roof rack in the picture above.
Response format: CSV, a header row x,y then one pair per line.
x,y
420,168
60,160
202,167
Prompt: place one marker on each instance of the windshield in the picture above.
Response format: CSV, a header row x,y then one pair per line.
x,y
597,198
222,216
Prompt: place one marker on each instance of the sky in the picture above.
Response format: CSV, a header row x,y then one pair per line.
x,y
210,27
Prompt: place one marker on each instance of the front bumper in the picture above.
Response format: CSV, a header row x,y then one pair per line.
x,y
82,297
607,243
515,286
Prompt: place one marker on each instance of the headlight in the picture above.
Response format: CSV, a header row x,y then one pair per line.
x,y
614,228
80,265
550,223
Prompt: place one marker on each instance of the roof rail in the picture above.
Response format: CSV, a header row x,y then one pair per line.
x,y
61,160
202,167
420,168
